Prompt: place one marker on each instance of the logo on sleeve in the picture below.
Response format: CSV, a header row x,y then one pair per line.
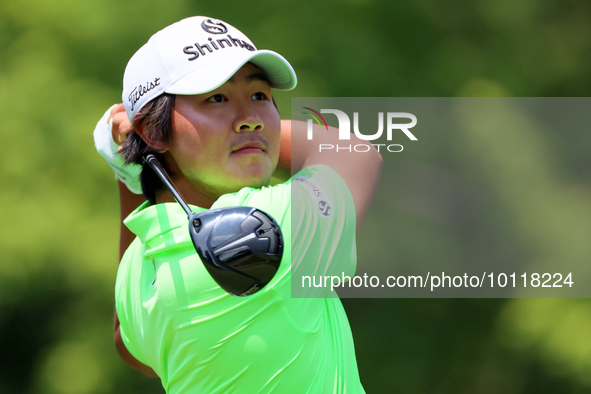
x,y
317,193
324,208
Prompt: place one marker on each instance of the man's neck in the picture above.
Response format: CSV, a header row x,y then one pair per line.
x,y
189,194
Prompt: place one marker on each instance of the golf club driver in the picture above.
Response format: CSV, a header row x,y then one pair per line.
x,y
241,247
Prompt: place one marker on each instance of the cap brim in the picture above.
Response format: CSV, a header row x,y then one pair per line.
x,y
212,75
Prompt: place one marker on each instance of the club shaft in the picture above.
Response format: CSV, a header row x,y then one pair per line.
x,y
161,172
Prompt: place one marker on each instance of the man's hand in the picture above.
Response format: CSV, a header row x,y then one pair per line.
x,y
121,125
110,132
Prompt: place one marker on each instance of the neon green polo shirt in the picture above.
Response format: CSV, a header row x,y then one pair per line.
x,y
200,339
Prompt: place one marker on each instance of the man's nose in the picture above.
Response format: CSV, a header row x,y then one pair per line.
x,y
248,121
250,125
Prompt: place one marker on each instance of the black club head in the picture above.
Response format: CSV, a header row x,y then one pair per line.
x,y
241,247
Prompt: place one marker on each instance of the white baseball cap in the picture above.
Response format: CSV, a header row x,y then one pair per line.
x,y
193,56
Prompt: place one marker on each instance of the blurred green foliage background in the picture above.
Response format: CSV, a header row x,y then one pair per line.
x,y
61,67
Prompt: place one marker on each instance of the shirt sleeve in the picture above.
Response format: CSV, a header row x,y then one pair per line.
x,y
323,229
127,287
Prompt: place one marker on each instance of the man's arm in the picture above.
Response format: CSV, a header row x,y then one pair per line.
x,y
128,202
359,170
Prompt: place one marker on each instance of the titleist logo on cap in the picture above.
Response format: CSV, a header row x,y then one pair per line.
x,y
139,91
221,43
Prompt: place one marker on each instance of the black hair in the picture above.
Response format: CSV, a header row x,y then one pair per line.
x,y
156,119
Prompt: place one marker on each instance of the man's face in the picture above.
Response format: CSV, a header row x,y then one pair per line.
x,y
228,138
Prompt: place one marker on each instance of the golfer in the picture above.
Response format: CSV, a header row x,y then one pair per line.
x,y
199,96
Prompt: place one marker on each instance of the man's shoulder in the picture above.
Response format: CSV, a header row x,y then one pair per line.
x,y
318,180
274,200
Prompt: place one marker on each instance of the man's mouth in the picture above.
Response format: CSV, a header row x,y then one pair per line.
x,y
249,147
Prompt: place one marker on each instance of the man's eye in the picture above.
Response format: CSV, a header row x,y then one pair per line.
x,y
259,96
217,98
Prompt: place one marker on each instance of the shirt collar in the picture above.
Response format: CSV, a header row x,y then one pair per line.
x,y
151,221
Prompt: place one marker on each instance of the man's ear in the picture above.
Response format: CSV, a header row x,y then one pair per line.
x,y
159,146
